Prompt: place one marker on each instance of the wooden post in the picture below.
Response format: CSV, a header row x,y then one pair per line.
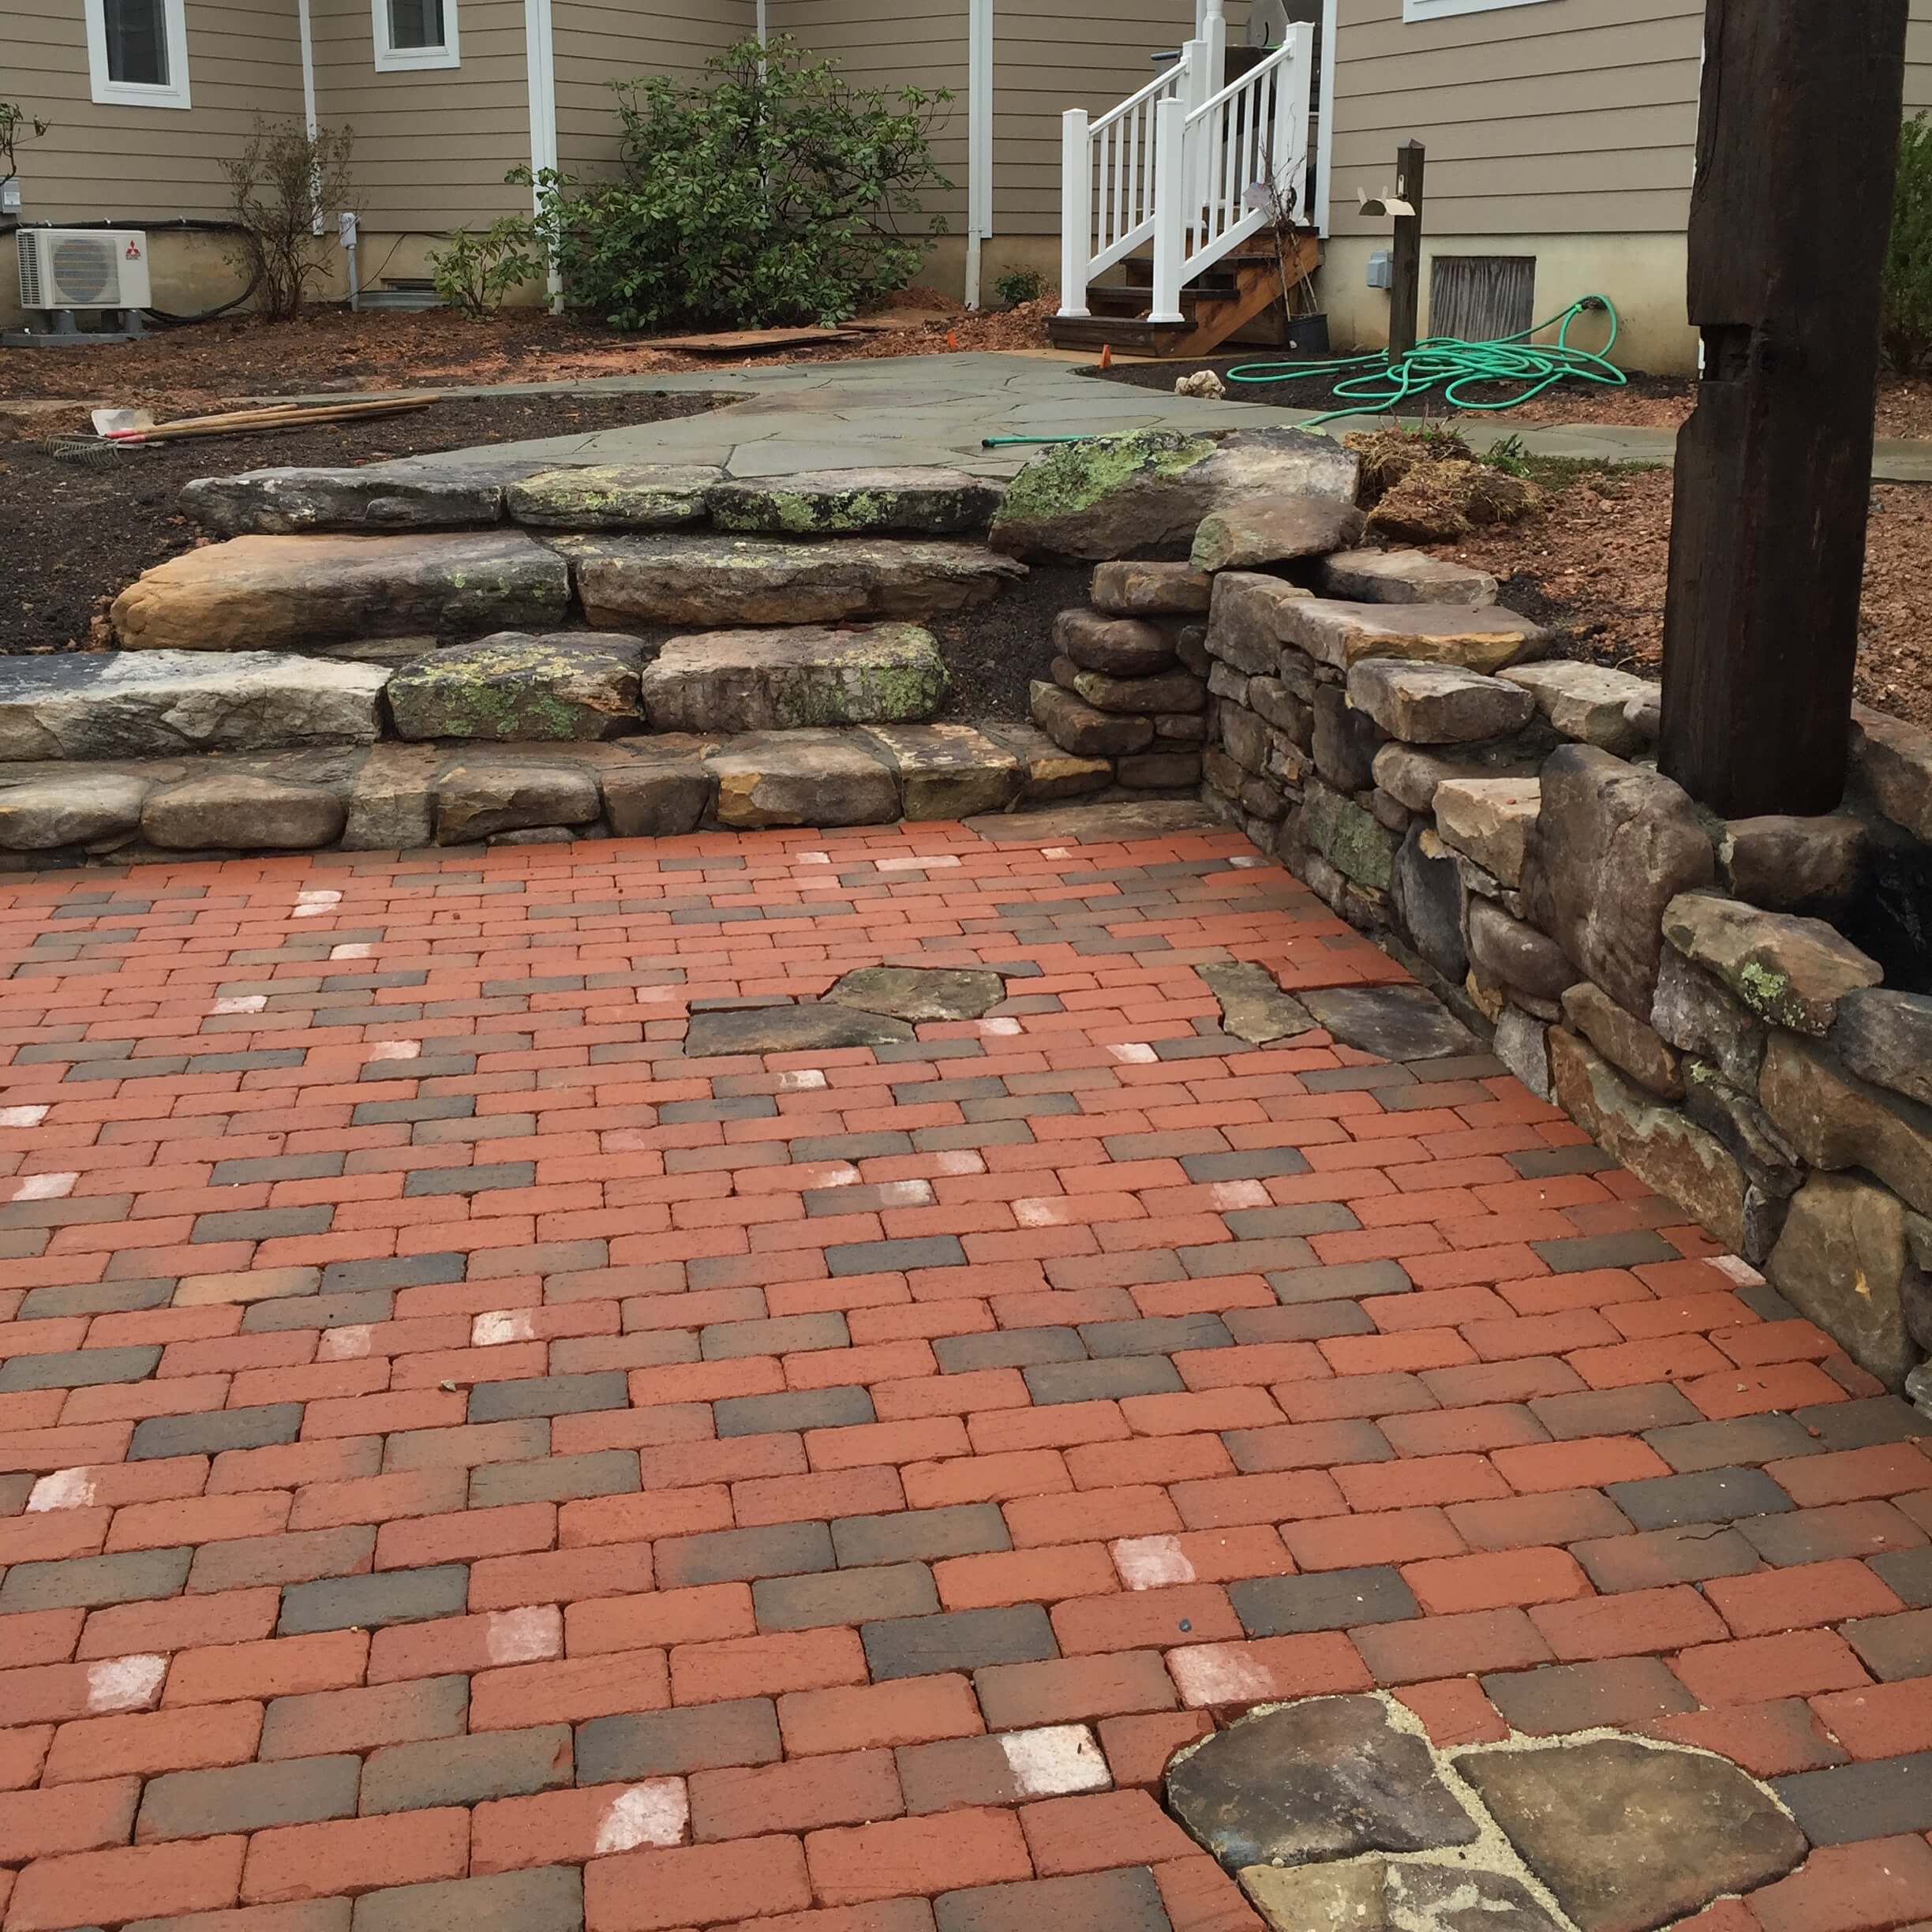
x,y
1405,263
1797,152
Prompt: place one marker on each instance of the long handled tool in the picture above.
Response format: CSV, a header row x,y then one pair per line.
x,y
124,429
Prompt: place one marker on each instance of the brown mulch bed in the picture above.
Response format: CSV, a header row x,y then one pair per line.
x,y
1595,564
330,349
72,537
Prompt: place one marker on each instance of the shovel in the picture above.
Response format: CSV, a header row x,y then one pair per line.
x,y
106,421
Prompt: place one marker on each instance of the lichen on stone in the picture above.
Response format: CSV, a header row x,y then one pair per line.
x,y
1073,477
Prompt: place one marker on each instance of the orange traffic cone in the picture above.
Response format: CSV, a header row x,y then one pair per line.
x,y
1106,355
951,338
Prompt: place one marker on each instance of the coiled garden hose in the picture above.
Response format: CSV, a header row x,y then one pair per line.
x,y
1447,366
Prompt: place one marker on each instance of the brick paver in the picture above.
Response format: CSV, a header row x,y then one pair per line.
x,y
462,1455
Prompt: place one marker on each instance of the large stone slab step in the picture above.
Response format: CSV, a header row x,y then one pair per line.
x,y
724,580
153,704
475,491
269,592
806,675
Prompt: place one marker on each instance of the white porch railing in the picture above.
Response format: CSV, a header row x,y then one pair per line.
x,y
1174,164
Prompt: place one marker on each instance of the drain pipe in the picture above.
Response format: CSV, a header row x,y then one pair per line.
x,y
764,25
978,140
540,66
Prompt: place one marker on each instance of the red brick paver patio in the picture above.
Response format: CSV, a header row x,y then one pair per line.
x,y
461,1455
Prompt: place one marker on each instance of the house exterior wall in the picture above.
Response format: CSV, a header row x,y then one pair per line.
x,y
432,146
1563,130
600,41
146,165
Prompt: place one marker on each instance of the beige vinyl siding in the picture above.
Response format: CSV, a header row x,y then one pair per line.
x,y
600,41
1919,58
1063,54
1565,117
143,165
892,44
432,146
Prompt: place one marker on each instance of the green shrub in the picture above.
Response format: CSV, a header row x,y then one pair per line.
x,y
480,267
281,187
770,192
1906,311
1020,285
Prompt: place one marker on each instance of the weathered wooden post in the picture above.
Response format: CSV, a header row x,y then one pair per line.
x,y
1797,151
1406,258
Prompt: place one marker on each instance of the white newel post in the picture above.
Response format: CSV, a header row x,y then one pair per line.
x,y
1076,212
1213,29
1172,192
1197,86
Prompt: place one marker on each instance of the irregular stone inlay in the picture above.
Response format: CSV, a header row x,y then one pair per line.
x,y
787,1029
1253,1007
1326,1778
1384,1895
1399,1022
920,992
1338,1814
1630,1836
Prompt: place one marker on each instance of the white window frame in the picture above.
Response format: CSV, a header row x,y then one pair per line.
x,y
391,59
1414,11
113,93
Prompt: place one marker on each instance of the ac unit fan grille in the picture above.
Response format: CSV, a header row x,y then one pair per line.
x,y
85,273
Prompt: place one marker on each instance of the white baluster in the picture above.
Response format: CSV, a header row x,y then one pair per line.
x,y
1172,194
1075,212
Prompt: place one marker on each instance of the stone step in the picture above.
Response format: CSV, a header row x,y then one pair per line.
x,y
394,795
724,580
804,676
154,704
269,592
478,490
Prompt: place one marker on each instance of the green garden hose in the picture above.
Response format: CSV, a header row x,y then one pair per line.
x,y
1449,366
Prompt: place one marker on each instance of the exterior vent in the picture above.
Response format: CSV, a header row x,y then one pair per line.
x,y
1481,297
83,268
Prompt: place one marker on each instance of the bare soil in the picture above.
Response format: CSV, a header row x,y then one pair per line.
x,y
1595,562
328,349
73,537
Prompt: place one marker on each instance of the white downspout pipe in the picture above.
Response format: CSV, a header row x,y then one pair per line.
x,y
979,141
540,67
311,125
307,67
763,28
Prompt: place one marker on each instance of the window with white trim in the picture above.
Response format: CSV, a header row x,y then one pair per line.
x,y
415,33
137,53
1448,9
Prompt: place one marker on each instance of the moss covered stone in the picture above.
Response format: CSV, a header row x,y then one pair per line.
x,y
1114,497
632,496
929,502
805,675
515,687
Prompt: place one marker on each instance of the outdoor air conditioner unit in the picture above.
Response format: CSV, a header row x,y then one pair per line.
x,y
83,268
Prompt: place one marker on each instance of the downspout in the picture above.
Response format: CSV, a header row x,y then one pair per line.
x,y
978,140
764,25
540,65
311,126
307,65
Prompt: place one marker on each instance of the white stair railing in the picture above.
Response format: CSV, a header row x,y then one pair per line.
x,y
1107,170
1174,166
1245,146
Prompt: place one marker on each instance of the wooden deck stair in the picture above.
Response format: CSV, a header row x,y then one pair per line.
x,y
1240,289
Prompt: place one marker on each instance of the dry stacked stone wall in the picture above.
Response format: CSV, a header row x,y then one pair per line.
x,y
1736,1011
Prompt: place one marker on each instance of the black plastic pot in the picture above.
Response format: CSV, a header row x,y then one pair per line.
x,y
1307,335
